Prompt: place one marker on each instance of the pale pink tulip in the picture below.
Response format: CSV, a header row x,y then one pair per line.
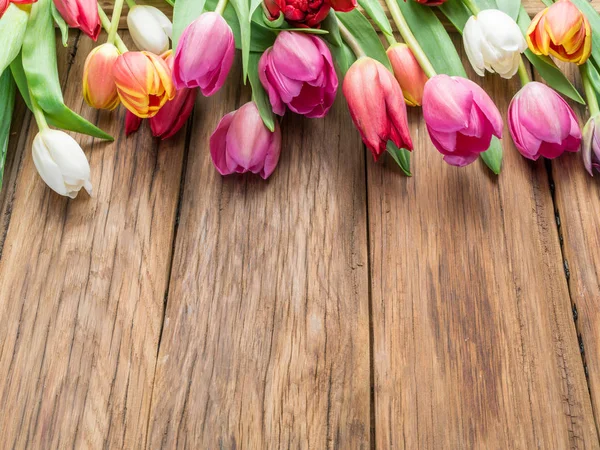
x,y
460,117
591,144
204,54
82,14
298,72
377,106
541,123
242,143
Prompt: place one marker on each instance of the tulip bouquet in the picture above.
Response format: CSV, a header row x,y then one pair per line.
x,y
295,55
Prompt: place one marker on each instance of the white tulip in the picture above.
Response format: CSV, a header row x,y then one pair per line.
x,y
494,41
150,29
61,163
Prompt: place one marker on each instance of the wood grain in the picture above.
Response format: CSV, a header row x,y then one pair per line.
x,y
82,290
474,340
266,336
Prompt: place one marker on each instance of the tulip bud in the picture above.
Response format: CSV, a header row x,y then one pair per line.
x,y
298,72
150,29
4,4
541,123
561,30
82,14
242,143
143,82
408,73
204,54
460,118
376,105
99,88
494,41
61,163
591,144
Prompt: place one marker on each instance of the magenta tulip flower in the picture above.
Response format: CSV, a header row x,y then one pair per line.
x,y
298,72
242,143
541,123
460,118
377,106
82,14
204,54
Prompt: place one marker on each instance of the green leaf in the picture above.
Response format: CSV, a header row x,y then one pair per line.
x,y
242,10
39,64
62,25
254,4
401,156
12,30
492,157
367,37
456,12
277,23
184,13
375,11
510,7
259,95
593,74
7,103
547,2
331,25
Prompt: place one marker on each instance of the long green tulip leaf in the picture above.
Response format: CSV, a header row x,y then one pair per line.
x,y
184,13
492,157
13,25
7,103
242,10
62,25
375,11
401,156
259,94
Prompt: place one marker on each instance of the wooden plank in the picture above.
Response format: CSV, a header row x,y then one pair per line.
x,y
82,290
578,205
474,340
266,337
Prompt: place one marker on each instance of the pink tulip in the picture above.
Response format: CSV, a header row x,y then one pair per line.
x,y
541,123
242,143
591,144
460,117
298,72
82,14
204,54
376,105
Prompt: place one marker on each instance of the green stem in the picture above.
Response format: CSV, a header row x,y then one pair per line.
x,y
131,3
114,24
350,40
106,24
390,38
409,38
472,6
523,75
220,9
590,92
170,2
38,114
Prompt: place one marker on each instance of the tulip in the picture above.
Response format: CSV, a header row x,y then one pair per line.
x,y
408,73
204,54
541,123
99,88
150,29
82,14
431,2
561,30
376,105
298,72
494,42
460,117
242,143
61,163
4,4
307,13
591,144
143,82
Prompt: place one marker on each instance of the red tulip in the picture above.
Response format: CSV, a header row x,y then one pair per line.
x,y
82,14
306,13
431,2
4,4
376,105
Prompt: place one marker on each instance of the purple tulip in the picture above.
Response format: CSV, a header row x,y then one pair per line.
x,y
591,144
541,123
204,54
298,72
242,143
460,117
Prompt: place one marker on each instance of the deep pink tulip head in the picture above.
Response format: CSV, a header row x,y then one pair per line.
x,y
460,118
82,14
204,54
541,123
298,72
591,144
242,143
376,105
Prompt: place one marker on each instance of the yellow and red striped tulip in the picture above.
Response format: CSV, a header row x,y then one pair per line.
x,y
143,82
99,88
561,30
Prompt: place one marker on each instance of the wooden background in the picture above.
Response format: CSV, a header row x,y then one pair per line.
x,y
337,305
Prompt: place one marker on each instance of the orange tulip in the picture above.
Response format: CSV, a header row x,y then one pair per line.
x,y
561,30
99,88
408,73
143,82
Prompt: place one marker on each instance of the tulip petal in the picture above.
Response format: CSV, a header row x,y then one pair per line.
x,y
342,5
218,145
296,56
444,112
460,161
485,104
